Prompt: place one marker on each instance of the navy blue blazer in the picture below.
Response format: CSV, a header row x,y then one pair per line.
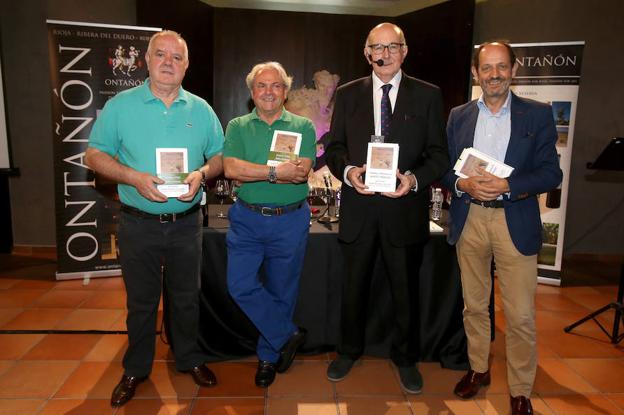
x,y
532,154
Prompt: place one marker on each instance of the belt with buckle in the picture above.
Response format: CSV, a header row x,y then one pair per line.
x,y
163,217
271,210
488,203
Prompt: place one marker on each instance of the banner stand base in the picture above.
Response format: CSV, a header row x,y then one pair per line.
x,y
615,337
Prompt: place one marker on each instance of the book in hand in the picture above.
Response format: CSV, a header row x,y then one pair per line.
x,y
470,159
284,147
172,167
382,160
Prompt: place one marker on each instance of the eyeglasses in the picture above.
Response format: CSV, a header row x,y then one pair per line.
x,y
276,86
378,48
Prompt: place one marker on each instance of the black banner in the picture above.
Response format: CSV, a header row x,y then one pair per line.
x,y
89,63
548,63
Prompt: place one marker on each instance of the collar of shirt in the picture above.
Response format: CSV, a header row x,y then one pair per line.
x,y
149,96
503,111
284,116
378,92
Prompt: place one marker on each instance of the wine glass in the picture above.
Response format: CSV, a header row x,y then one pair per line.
x,y
222,190
234,187
311,196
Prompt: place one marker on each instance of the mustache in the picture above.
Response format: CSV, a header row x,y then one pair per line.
x,y
496,78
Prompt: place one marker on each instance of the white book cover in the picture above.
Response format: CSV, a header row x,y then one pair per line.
x,y
382,160
285,146
470,159
172,167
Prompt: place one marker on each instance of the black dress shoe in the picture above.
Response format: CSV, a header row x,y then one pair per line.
x,y
411,379
339,368
202,376
470,384
265,374
288,351
124,391
520,405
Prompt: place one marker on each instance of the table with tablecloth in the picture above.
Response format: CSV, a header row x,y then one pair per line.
x,y
226,333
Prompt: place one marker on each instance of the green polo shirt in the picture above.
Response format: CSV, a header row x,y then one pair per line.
x,y
249,138
134,123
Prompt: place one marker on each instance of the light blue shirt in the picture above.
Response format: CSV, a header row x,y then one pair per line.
x,y
493,131
134,123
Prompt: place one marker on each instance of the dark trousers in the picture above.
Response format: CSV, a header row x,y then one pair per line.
x,y
402,265
278,243
150,250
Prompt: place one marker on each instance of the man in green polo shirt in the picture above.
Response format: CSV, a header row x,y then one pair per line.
x,y
270,151
159,128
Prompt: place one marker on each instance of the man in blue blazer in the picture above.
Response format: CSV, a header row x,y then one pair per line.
x,y
395,223
499,217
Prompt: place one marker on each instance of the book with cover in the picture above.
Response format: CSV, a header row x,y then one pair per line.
x,y
382,161
284,147
470,159
172,167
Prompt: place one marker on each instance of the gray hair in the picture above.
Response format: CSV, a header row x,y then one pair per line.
x,y
168,33
251,76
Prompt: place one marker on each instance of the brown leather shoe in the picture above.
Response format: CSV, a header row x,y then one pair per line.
x,y
521,405
470,384
202,376
124,391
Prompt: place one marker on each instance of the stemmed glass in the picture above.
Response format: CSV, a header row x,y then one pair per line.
x,y
222,190
234,187
312,192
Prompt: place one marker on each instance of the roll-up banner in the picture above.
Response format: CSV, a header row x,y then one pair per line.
x,y
551,72
89,64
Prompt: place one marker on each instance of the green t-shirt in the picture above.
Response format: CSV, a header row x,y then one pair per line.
x,y
134,123
249,138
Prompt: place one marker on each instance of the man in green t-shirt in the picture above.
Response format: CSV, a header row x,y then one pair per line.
x,y
159,124
270,151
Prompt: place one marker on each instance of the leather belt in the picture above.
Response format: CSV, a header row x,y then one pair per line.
x,y
496,204
163,217
271,210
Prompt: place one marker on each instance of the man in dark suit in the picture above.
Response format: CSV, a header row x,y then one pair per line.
x,y
406,111
500,217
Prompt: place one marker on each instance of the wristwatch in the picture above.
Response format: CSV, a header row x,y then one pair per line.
x,y
409,173
272,177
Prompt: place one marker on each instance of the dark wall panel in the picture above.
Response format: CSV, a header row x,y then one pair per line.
x,y
440,44
303,42
194,21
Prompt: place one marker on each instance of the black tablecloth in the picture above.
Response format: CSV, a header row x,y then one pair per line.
x,y
226,332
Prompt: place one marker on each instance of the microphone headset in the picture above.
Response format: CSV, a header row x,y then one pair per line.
x,y
379,62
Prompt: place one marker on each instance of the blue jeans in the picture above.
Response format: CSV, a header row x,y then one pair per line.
x,y
278,242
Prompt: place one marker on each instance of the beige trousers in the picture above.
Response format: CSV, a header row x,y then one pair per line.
x,y
485,234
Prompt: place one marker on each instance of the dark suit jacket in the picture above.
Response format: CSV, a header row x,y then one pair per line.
x,y
532,154
417,126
